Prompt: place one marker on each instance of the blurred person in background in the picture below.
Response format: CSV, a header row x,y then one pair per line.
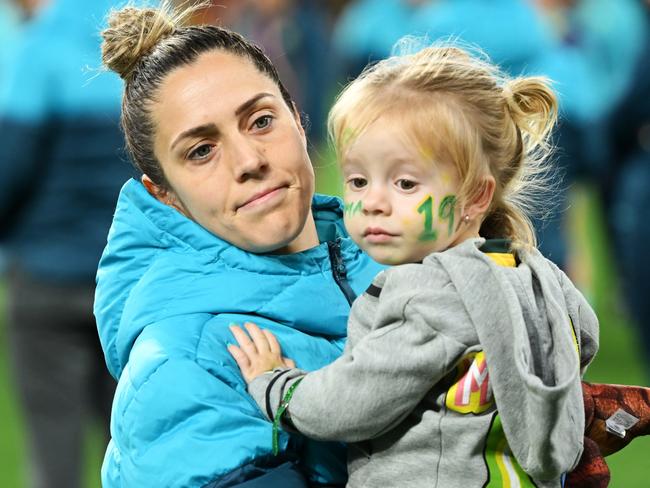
x,y
60,173
602,72
626,191
11,20
367,30
295,35
598,46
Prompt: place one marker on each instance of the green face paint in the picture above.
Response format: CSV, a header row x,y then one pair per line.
x,y
447,210
426,208
352,208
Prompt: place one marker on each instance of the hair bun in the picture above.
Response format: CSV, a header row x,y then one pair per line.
x,y
131,34
532,105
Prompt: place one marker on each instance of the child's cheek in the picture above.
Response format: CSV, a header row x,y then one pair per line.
x,y
353,210
411,227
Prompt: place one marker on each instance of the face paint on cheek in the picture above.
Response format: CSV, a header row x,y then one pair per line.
x,y
352,208
447,210
426,208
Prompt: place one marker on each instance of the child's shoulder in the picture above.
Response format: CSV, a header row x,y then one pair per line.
x,y
427,275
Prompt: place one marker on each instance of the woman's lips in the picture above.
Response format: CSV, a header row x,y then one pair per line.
x,y
263,197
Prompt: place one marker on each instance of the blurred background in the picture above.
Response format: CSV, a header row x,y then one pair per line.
x,y
62,163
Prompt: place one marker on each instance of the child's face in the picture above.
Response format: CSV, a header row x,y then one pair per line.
x,y
400,204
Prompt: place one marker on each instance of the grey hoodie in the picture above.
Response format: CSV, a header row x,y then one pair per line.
x,y
457,372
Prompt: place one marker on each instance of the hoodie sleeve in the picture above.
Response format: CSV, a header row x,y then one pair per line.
x,y
378,381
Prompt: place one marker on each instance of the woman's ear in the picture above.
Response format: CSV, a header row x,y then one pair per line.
x,y
481,202
167,197
154,190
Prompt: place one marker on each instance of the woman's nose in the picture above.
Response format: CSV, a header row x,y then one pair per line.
x,y
248,160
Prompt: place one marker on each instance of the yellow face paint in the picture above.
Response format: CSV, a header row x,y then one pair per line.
x,y
348,135
425,153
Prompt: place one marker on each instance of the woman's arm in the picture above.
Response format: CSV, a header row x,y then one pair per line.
x,y
175,426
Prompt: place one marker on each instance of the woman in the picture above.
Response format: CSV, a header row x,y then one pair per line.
x,y
222,228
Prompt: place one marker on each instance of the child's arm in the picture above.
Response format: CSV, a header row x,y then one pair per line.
x,y
365,392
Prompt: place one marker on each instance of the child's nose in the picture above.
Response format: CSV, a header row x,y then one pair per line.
x,y
376,201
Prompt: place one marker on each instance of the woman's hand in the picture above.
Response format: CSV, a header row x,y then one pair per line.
x,y
259,355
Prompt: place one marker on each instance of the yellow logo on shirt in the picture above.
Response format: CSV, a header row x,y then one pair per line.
x,y
471,393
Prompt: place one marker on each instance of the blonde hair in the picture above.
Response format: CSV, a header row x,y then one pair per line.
x,y
461,109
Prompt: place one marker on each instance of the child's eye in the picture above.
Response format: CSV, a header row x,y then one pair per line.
x,y
263,122
405,184
201,152
358,183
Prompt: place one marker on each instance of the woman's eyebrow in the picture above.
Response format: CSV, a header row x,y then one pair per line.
x,y
200,130
211,129
249,103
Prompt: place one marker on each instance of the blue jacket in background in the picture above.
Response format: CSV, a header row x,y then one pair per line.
x,y
167,289
61,162
511,32
591,69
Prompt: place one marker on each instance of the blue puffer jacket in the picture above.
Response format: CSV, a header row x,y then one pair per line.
x,y
167,290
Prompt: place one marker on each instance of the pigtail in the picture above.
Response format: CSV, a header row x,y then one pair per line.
x,y
524,175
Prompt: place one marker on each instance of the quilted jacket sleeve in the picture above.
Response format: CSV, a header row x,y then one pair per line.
x,y
168,427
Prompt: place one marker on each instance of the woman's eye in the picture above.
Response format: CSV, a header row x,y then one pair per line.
x,y
201,152
406,184
358,183
263,122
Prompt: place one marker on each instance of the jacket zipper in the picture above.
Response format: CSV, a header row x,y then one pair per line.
x,y
339,270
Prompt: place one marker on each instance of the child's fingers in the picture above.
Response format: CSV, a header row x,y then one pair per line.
x,y
274,345
259,338
289,363
240,357
244,341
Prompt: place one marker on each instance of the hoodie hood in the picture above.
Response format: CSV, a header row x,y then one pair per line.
x,y
527,319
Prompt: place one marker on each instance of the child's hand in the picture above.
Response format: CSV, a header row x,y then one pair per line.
x,y
258,356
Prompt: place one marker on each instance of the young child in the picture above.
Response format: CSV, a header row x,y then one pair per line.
x,y
463,363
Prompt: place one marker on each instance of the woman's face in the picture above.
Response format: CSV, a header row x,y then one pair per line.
x,y
234,155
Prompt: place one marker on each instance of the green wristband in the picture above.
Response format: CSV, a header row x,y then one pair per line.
x,y
278,416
